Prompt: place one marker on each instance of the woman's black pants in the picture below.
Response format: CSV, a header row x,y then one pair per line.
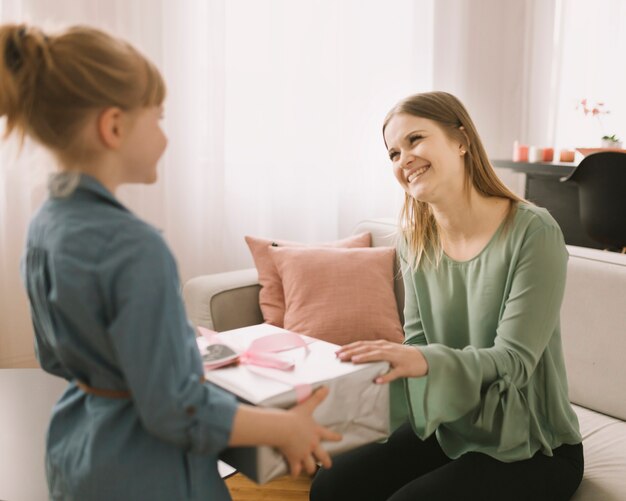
x,y
406,468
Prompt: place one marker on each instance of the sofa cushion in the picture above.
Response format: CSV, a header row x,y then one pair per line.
x,y
604,443
339,295
271,296
383,232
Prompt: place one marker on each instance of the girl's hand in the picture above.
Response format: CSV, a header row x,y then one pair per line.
x,y
301,440
405,361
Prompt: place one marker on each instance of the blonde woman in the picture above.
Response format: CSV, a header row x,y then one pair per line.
x,y
136,422
481,374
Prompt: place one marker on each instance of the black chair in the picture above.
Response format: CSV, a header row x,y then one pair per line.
x,y
601,180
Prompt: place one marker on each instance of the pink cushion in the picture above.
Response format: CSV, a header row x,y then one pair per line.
x,y
271,297
339,295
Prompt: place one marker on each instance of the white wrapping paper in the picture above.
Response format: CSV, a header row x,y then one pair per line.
x,y
355,407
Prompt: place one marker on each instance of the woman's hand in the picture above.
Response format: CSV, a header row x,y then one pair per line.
x,y
302,436
405,361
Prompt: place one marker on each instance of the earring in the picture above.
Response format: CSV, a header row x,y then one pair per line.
x,y
463,151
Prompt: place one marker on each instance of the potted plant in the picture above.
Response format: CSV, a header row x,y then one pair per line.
x,y
596,110
611,142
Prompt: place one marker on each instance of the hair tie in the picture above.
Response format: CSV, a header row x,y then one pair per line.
x,y
12,54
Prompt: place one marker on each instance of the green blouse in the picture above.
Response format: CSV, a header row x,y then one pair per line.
x,y
489,329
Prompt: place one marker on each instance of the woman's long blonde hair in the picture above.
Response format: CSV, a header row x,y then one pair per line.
x,y
50,83
419,232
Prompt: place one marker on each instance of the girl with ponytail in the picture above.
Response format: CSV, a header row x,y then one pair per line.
x,y
136,421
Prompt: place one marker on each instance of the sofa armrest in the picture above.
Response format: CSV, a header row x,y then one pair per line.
x,y
224,301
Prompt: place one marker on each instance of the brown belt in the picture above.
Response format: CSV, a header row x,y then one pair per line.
x,y
99,392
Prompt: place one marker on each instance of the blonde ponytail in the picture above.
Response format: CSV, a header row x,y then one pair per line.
x,y
25,53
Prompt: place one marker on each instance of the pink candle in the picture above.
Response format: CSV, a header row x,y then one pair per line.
x,y
522,153
548,155
567,156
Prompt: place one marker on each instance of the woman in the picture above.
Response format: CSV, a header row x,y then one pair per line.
x,y
136,421
481,373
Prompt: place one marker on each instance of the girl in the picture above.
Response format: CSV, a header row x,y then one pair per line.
x,y
136,421
481,372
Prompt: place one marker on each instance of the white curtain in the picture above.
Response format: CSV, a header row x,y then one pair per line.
x,y
274,110
274,114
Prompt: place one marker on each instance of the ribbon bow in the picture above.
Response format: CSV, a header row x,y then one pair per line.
x,y
260,353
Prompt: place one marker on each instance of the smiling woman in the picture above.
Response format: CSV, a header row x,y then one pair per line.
x,y
480,405
436,152
424,145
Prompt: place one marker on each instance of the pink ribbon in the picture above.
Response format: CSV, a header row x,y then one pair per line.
x,y
260,353
208,334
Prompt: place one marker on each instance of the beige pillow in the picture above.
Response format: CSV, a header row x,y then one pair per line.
x,y
339,295
271,297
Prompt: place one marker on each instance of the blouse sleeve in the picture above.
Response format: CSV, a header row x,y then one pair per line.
x,y
487,381
413,335
156,348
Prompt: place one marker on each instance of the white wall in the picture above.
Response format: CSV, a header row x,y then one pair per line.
x,y
27,397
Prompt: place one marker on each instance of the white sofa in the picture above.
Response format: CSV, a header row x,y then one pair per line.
x,y
593,321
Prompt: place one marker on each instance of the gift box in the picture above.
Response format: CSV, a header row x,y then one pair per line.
x,y
356,407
